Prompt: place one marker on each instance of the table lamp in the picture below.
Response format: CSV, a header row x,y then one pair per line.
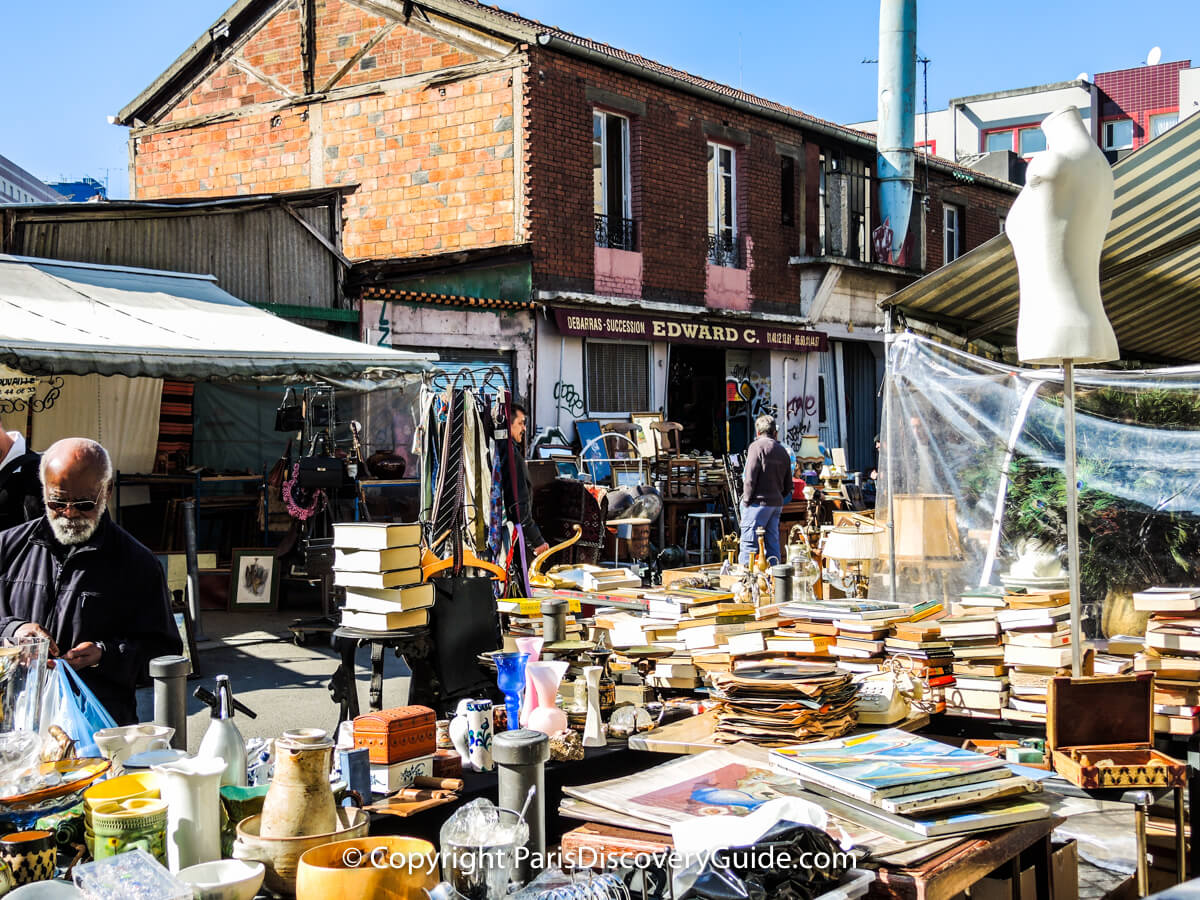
x,y
809,450
852,545
1057,227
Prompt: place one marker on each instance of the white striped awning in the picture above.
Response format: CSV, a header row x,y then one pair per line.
x,y
1149,269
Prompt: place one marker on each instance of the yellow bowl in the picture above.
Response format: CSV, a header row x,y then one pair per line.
x,y
404,868
131,786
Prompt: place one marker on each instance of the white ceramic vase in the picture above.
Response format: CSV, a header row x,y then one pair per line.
x,y
458,732
593,729
192,789
480,725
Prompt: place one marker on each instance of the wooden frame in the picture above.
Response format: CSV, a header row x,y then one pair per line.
x,y
645,437
260,590
594,460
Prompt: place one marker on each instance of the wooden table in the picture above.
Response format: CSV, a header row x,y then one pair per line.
x,y
952,871
695,734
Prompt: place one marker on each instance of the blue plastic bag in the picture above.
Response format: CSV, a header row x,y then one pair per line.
x,y
80,714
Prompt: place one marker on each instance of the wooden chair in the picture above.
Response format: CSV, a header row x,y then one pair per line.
x,y
619,449
680,472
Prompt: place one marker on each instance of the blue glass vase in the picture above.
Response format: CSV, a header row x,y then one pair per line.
x,y
510,678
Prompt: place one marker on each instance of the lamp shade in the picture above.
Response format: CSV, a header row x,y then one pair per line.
x,y
845,542
810,447
926,527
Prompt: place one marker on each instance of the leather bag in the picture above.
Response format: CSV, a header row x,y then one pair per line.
x,y
290,414
322,472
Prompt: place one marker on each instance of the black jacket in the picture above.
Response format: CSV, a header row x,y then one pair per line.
x,y
518,502
20,491
110,590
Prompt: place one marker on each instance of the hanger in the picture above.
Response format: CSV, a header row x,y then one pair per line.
x,y
431,563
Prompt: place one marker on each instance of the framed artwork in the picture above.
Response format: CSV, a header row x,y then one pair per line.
x,y
184,623
254,579
593,459
645,437
175,567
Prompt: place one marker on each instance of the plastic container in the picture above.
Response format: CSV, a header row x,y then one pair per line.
x,y
855,883
134,875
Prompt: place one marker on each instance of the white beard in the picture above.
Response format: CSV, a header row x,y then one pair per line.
x,y
70,532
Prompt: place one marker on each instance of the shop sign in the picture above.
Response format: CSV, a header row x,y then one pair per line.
x,y
15,385
719,333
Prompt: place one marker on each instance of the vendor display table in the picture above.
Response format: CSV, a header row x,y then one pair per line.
x,y
951,872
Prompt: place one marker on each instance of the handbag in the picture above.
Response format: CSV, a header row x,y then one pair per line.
x,y
322,472
290,414
465,623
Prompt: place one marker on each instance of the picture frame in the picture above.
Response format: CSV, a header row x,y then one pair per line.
x,y
254,579
187,637
645,437
174,565
593,459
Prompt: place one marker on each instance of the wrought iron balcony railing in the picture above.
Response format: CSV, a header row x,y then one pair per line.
x,y
614,233
723,250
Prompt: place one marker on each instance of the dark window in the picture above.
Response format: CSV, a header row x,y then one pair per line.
x,y
787,190
618,377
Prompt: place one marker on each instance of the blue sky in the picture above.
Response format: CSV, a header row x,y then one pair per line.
x,y
66,66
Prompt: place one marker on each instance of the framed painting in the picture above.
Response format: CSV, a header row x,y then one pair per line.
x,y
254,579
645,437
594,458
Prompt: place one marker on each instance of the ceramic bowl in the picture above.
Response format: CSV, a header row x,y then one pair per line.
x,y
46,890
130,786
409,868
281,856
225,879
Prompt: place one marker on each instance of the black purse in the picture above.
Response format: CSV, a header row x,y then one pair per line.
x,y
322,472
290,414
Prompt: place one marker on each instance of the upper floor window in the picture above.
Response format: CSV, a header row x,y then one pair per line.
x,y
1030,141
844,218
722,206
1024,140
997,140
611,201
952,232
1118,134
1161,122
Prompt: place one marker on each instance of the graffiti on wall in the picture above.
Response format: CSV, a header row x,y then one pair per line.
x,y
801,417
568,398
744,385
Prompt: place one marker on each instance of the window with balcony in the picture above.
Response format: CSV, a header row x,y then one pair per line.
x,y
844,217
722,207
952,232
618,377
1161,122
611,202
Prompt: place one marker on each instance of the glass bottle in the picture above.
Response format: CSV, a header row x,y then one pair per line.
x,y
805,572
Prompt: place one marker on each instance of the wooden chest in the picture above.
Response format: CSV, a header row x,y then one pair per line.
x,y
396,735
1100,733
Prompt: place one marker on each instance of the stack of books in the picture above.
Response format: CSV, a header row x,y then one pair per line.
x,y
898,780
974,639
523,618
379,566
1037,646
1172,650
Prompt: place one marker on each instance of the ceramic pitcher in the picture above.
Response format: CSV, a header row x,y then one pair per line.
x,y
300,800
192,789
122,742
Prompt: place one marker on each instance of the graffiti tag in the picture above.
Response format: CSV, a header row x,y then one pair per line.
x,y
568,398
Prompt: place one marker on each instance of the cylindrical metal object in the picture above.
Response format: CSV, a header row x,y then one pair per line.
x,y
193,568
170,695
554,620
520,758
781,576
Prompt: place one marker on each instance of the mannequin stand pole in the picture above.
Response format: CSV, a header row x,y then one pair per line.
x,y
1072,515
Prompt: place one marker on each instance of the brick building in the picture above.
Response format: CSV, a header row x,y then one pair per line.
x,y
621,235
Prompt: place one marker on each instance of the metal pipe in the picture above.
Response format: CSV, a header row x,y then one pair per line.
x,y
1072,515
520,758
895,157
554,622
193,568
889,343
170,695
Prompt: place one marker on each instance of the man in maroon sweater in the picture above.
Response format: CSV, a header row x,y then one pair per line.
x,y
766,486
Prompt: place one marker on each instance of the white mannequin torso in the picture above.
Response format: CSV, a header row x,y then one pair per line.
x,y
1057,227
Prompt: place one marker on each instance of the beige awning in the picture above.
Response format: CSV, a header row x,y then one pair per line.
x,y
1149,270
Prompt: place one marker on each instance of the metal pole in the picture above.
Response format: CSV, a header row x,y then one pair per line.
x,y
170,695
889,342
193,569
1072,514
520,758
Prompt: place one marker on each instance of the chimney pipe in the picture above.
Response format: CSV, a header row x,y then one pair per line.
x,y
896,159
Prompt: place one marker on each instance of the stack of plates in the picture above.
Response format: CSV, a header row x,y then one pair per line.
x,y
1035,584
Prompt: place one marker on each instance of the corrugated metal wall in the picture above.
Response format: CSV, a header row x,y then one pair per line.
x,y
260,255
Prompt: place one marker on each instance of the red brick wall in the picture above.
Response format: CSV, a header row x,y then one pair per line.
x,y
433,167
982,204
1132,93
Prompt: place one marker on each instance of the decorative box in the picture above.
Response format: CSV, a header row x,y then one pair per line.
x,y
394,735
1100,733
389,779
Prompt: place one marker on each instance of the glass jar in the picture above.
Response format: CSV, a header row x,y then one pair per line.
x,y
805,572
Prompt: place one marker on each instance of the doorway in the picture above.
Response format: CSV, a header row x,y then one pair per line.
x,y
696,397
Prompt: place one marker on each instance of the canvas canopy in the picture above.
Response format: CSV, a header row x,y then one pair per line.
x,y
69,318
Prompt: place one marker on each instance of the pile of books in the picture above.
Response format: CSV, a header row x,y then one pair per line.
x,y
776,702
898,780
379,566
1037,646
972,635
1172,651
523,618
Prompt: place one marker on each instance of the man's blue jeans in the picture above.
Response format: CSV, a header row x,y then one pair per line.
x,y
753,518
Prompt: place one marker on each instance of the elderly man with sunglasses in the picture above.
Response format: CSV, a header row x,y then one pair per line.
x,y
78,579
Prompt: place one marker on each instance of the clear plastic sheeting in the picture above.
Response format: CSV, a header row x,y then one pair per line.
x,y
971,473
